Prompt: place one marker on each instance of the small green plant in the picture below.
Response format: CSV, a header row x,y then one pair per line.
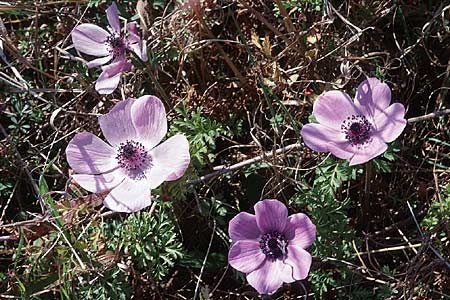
x,y
301,5
95,3
6,188
25,115
148,239
439,211
201,132
322,281
113,284
332,173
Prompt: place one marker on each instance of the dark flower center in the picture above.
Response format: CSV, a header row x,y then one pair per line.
x,y
116,45
357,130
273,245
133,158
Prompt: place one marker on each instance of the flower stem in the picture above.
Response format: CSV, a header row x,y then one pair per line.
x,y
163,94
148,69
365,205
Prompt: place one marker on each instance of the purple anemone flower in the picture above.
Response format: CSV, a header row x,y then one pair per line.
x,y
133,162
355,130
269,247
111,48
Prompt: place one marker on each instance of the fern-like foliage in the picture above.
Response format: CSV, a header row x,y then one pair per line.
x,y
149,239
201,133
332,173
334,233
113,284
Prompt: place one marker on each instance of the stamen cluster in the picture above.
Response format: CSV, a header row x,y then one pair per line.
x,y
133,158
116,45
273,245
357,130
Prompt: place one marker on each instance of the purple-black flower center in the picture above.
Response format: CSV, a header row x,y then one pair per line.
x,y
116,45
357,130
133,159
273,245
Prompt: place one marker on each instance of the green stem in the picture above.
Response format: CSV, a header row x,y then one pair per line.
x,y
149,71
365,205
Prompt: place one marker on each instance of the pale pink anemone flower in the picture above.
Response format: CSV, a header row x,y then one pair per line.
x,y
111,47
355,130
133,162
269,247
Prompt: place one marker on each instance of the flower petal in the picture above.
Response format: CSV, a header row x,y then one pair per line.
x,y
300,260
169,161
391,122
300,230
149,119
243,227
332,108
110,77
271,215
99,61
106,83
372,97
129,196
287,273
369,151
246,256
317,136
135,43
116,125
99,183
268,278
324,139
133,34
87,154
90,39
113,17
342,150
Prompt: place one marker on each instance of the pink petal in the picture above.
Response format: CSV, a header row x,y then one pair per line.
x,y
87,154
243,227
133,34
135,43
149,119
323,139
271,215
391,122
113,17
129,196
369,151
169,161
99,61
268,278
246,256
372,97
341,150
318,137
287,273
300,230
332,108
107,83
99,183
90,39
300,260
116,125
109,79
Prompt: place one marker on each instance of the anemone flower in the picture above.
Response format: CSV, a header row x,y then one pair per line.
x,y
111,48
269,247
133,162
355,130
